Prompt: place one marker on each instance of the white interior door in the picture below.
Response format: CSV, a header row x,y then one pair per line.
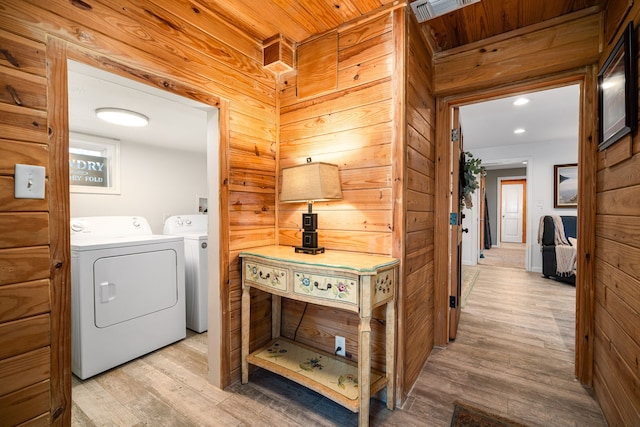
x,y
512,212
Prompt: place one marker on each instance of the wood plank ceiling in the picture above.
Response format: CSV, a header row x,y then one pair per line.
x,y
300,19
492,17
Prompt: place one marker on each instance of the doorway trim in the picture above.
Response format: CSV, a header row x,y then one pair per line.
x,y
218,327
587,163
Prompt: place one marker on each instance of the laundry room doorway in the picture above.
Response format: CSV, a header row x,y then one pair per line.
x,y
166,168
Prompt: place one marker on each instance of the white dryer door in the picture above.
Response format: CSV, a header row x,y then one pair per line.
x,y
133,285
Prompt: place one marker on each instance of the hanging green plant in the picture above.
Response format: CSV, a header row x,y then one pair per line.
x,y
472,169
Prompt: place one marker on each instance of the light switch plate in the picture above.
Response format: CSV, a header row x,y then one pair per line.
x,y
29,182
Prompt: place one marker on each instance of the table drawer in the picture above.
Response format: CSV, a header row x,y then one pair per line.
x,y
267,275
334,288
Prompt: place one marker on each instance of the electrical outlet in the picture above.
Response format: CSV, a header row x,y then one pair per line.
x,y
341,346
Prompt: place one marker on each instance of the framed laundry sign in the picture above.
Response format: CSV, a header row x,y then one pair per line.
x,y
565,186
94,164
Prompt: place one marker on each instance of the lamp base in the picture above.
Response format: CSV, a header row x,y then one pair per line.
x,y
310,251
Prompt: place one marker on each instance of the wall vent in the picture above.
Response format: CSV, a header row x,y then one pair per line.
x,y
428,9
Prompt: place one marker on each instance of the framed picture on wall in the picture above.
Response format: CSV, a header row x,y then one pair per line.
x,y
617,95
565,186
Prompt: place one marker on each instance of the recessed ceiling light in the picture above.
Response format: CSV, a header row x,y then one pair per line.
x,y
119,116
519,130
521,101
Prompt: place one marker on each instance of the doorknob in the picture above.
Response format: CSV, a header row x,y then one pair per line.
x,y
465,230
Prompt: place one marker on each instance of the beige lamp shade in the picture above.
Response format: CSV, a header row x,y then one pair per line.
x,y
310,182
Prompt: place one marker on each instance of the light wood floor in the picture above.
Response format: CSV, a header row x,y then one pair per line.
x,y
513,356
506,255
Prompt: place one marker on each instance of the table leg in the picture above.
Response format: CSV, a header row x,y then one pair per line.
x,y
364,368
276,318
390,346
245,331
364,351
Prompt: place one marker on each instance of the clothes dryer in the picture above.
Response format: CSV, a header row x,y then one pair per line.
x,y
127,291
193,228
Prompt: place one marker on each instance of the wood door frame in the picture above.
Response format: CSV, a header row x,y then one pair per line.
x,y
59,232
457,149
513,180
587,163
218,349
482,219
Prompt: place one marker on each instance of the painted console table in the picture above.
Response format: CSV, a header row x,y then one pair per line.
x,y
345,280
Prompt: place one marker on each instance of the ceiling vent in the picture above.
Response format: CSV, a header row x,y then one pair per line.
x,y
428,9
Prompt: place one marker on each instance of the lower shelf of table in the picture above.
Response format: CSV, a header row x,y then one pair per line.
x,y
334,377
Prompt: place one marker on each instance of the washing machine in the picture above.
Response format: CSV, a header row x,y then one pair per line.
x,y
193,228
127,291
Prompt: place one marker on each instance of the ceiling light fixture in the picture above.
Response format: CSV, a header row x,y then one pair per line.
x,y
519,130
122,117
521,101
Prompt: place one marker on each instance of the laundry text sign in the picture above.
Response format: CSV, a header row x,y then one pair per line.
x,y
88,170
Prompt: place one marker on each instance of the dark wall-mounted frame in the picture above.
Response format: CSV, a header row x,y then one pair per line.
x,y
617,94
565,186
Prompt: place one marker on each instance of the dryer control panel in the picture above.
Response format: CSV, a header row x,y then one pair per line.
x,y
183,224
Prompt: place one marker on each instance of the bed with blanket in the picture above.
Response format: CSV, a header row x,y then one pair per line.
x,y
557,237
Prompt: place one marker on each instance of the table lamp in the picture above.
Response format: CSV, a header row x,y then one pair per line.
x,y
310,182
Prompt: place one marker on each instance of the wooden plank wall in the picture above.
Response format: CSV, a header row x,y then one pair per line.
x,y
617,272
351,126
25,255
360,126
563,43
419,180
167,44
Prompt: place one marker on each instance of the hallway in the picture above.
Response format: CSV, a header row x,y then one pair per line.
x,y
513,357
505,255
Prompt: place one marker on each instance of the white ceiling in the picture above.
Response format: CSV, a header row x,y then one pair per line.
x,y
550,115
179,123
174,122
